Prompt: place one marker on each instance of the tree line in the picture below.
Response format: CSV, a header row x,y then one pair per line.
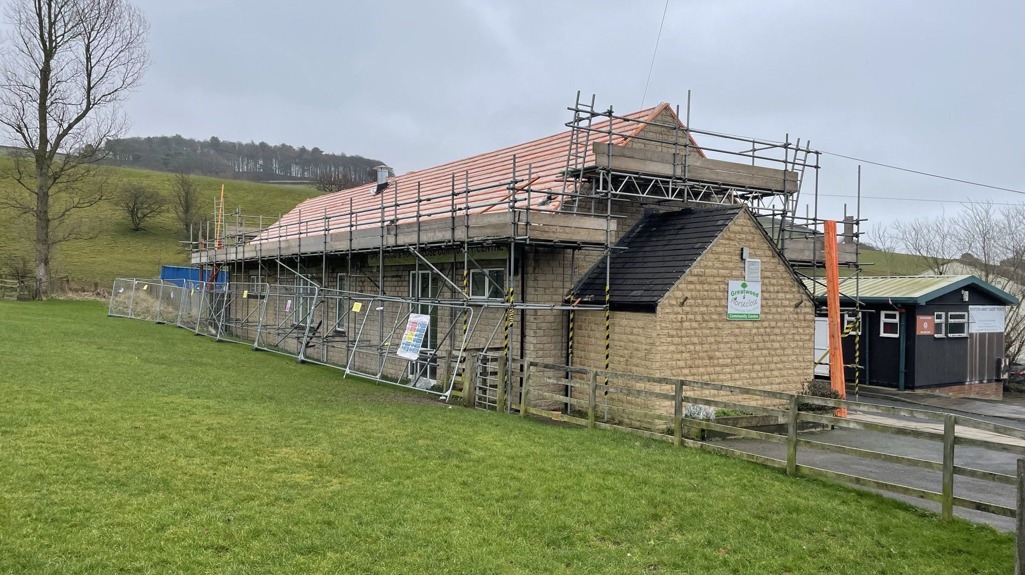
x,y
250,161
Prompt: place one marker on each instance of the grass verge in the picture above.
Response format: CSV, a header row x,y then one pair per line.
x,y
134,448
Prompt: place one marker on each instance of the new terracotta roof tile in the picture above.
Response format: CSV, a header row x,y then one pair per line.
x,y
539,165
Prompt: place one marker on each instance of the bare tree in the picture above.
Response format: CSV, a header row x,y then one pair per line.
x,y
884,240
334,181
65,69
186,203
139,202
929,240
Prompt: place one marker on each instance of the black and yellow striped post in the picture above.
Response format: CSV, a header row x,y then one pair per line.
x,y
572,320
505,338
608,335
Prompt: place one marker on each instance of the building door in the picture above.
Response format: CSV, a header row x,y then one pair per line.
x,y
422,286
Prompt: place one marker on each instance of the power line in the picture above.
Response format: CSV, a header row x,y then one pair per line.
x,y
929,200
929,174
882,165
655,53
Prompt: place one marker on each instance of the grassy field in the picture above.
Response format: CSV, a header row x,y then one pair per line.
x,y
135,448
116,251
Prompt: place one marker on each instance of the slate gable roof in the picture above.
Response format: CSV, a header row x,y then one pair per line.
x,y
654,255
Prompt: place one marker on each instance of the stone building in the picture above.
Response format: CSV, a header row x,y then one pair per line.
x,y
497,250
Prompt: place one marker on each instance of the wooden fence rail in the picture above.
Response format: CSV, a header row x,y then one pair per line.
x,y
581,388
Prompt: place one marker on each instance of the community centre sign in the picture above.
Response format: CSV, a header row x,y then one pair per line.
x,y
744,300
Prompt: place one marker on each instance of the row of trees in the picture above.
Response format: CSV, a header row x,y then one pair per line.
x,y
982,239
251,161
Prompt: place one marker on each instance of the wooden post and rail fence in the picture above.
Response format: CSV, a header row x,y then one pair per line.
x,y
571,395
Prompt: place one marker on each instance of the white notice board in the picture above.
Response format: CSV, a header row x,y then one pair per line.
x,y
985,319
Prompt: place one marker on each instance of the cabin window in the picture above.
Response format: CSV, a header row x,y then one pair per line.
x,y
889,324
487,284
940,323
957,324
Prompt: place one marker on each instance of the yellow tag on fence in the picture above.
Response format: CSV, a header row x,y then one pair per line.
x,y
356,306
144,286
245,294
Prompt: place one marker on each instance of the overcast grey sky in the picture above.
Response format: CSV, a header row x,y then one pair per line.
x,y
936,86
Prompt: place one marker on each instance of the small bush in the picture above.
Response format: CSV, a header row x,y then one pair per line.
x,y
818,388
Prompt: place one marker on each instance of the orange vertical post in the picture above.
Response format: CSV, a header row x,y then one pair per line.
x,y
836,375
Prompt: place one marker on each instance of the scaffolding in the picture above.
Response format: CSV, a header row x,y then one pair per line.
x,y
338,286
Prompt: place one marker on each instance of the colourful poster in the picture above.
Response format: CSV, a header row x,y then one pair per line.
x,y
413,339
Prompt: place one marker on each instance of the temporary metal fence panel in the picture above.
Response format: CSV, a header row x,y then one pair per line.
x,y
145,299
231,312
287,319
190,305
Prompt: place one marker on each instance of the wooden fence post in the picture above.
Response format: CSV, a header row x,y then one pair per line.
x,y
792,437
468,391
678,413
1019,522
524,400
592,397
947,510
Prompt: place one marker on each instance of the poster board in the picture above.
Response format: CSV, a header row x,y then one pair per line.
x,y
413,338
986,319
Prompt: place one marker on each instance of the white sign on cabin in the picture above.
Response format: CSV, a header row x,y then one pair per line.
x,y
985,319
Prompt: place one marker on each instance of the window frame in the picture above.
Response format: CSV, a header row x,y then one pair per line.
x,y
889,318
962,320
493,290
305,297
940,323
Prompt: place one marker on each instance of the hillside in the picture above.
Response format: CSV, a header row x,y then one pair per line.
x,y
117,251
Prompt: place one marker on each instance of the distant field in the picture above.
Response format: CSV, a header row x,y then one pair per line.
x,y
127,447
116,250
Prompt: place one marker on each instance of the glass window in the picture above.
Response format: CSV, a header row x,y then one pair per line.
x,y
487,284
889,324
305,293
941,324
957,324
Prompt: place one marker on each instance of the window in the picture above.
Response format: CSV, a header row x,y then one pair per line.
x,y
889,324
957,324
305,293
939,318
487,284
341,304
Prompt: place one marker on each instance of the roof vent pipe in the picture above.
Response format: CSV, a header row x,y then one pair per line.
x,y
382,178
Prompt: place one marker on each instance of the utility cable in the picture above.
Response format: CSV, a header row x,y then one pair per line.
x,y
655,53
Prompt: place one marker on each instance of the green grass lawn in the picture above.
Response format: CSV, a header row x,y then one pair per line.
x,y
113,250
127,447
